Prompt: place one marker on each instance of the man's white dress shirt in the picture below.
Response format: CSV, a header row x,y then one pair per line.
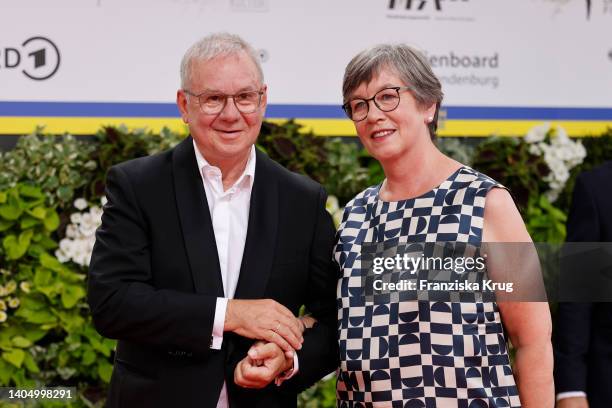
x,y
229,211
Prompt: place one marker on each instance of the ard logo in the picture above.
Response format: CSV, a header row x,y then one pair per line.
x,y
38,58
419,4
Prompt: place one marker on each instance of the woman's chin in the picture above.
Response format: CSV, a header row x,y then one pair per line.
x,y
386,154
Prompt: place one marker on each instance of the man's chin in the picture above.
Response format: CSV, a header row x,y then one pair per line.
x,y
230,136
233,152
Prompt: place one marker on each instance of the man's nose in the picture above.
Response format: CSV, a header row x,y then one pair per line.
x,y
230,111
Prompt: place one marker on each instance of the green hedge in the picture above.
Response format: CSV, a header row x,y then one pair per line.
x,y
51,188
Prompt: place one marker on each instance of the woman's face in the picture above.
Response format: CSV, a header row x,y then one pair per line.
x,y
389,135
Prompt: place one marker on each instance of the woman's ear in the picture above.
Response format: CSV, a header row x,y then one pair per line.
x,y
430,113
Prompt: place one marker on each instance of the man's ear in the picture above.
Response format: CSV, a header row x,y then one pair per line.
x,y
181,102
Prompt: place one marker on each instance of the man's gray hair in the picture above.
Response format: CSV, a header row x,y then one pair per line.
x,y
410,65
214,45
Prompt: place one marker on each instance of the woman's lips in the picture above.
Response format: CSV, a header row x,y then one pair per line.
x,y
379,134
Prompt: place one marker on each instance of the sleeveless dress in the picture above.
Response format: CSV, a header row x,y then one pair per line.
x,y
419,353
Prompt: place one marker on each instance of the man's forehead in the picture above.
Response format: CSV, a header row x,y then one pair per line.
x,y
234,59
236,68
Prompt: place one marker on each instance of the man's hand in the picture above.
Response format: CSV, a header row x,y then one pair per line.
x,y
264,319
264,362
573,402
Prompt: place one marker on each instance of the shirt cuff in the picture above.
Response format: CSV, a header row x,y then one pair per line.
x,y
217,333
289,373
569,394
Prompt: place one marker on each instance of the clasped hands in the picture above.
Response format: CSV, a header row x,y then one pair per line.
x,y
279,333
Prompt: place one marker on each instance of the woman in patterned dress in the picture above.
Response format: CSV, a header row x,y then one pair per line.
x,y
425,353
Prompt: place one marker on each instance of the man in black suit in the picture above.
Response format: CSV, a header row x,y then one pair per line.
x,y
583,332
210,246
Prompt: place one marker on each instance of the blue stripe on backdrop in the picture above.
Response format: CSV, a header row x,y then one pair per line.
x,y
274,111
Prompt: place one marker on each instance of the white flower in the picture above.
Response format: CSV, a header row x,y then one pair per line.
x,y
86,219
71,231
535,150
25,286
61,256
579,150
80,236
67,246
3,316
561,154
562,175
82,246
332,204
80,204
88,231
75,218
561,135
537,133
10,287
96,214
13,303
2,305
81,258
552,195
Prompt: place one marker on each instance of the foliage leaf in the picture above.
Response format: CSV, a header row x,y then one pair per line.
x,y
105,370
14,356
21,342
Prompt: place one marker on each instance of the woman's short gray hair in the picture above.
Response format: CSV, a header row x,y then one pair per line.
x,y
411,66
214,45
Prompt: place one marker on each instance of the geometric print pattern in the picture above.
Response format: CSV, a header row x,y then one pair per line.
x,y
418,353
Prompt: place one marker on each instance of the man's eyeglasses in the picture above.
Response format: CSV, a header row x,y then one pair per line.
x,y
387,99
213,103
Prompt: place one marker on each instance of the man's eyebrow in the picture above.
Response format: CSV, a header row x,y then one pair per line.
x,y
248,88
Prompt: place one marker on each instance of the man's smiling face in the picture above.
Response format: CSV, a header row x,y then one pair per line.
x,y
230,133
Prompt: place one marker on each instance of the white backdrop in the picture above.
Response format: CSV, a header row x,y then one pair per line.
x,y
537,53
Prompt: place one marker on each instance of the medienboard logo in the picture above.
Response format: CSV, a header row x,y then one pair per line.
x,y
38,58
429,9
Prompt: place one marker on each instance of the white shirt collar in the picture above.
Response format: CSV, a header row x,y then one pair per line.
x,y
247,177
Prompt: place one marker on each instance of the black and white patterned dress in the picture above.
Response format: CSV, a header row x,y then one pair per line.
x,y
419,353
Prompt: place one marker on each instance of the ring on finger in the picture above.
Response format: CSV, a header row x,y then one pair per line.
x,y
277,327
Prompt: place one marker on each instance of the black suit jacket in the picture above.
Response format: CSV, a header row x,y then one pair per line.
x,y
154,278
583,331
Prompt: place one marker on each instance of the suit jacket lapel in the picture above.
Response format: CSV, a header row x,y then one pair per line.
x,y
261,234
196,222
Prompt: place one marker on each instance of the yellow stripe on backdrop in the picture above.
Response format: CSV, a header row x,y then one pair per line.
x,y
322,127
84,126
